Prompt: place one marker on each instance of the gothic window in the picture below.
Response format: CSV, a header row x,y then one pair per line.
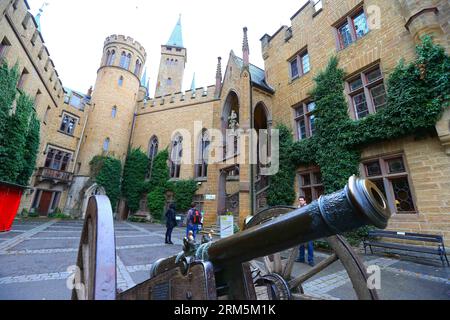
x,y
391,177
68,124
120,81
57,159
152,152
176,155
352,28
114,112
106,145
110,57
137,69
202,163
169,81
125,60
366,92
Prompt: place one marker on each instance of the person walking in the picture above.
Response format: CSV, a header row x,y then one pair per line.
x,y
193,220
301,249
171,222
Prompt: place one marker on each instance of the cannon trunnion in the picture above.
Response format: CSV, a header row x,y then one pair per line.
x,y
255,263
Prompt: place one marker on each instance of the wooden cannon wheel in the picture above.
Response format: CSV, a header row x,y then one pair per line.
x,y
94,277
275,280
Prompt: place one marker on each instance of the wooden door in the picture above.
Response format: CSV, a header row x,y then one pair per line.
x,y
44,203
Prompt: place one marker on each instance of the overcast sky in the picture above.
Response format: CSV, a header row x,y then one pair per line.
x,y
74,32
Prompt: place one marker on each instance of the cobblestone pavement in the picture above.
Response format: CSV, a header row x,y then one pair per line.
x,y
37,255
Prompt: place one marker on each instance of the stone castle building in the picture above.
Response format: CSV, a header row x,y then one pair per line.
x,y
369,37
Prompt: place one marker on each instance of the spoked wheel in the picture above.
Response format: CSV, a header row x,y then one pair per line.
x,y
95,273
273,277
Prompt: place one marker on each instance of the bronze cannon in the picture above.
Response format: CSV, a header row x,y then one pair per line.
x,y
254,264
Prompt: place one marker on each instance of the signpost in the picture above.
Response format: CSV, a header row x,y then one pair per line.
x,y
226,226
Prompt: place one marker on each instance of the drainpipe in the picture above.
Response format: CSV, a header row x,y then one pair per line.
x,y
77,153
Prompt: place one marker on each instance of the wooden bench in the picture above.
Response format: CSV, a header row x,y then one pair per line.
x,y
373,241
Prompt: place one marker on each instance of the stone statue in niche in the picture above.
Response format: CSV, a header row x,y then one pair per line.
x,y
233,123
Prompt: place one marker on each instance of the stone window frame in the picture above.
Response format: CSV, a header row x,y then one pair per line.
x,y
366,89
70,117
314,188
176,156
298,59
106,144
63,153
387,177
348,20
201,165
153,147
305,115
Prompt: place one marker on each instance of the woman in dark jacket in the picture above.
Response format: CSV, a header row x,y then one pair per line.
x,y
171,222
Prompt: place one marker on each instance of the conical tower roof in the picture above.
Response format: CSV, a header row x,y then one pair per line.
x,y
176,39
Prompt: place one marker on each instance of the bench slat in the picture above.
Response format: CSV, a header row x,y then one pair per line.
x,y
403,247
406,236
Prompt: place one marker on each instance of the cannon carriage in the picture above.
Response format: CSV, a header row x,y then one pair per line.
x,y
255,264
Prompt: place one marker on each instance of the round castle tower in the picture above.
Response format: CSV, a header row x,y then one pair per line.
x,y
117,90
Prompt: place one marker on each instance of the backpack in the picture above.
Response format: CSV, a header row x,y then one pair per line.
x,y
197,217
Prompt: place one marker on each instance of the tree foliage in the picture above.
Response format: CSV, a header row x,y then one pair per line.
x,y
19,130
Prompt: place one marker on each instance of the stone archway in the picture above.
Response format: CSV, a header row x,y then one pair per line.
x,y
93,190
262,120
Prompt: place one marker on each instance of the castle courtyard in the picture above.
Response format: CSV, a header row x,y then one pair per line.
x,y
36,255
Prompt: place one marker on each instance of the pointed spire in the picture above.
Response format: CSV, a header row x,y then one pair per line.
x,y
245,49
144,79
38,16
218,77
193,84
176,39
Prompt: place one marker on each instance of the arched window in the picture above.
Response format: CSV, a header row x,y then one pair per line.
x,y
106,145
152,152
121,81
169,81
124,61
137,69
127,61
108,55
114,112
110,58
175,156
202,159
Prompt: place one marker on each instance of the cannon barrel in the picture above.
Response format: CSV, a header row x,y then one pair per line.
x,y
360,203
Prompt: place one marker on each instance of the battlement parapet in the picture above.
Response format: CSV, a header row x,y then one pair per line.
x,y
33,43
119,38
180,99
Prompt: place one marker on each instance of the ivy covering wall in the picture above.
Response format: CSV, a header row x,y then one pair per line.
x,y
417,94
19,130
134,173
107,172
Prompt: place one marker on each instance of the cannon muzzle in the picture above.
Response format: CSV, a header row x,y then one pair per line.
x,y
359,204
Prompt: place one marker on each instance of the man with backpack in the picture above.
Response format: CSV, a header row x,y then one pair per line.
x,y
194,219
